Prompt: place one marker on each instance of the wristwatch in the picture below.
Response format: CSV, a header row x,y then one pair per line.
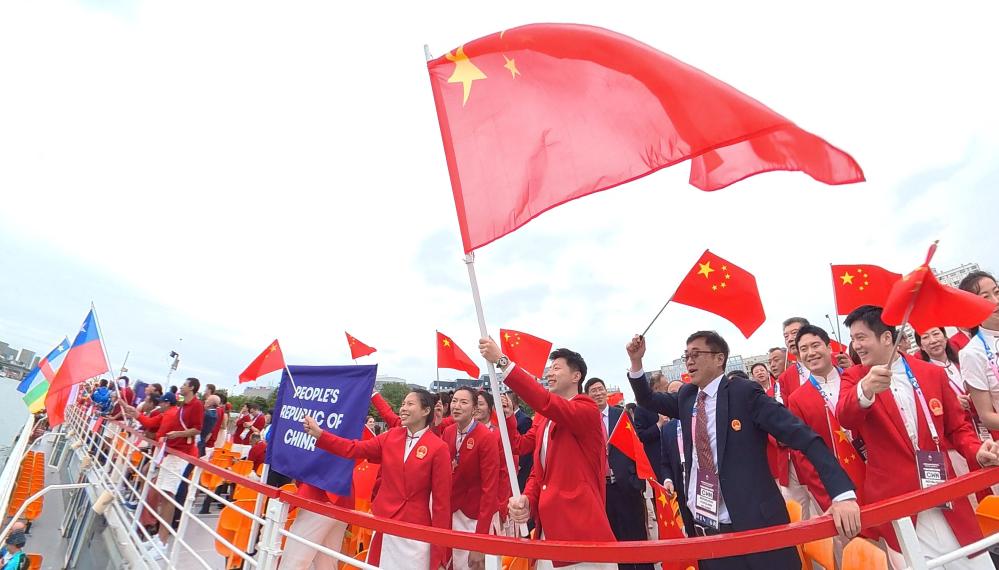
x,y
503,361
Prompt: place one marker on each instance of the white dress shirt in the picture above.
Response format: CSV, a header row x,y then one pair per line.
x,y
829,386
905,398
411,439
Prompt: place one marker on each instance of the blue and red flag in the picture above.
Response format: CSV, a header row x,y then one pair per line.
x,y
84,359
46,368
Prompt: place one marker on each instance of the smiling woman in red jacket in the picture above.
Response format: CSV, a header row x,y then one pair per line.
x,y
415,481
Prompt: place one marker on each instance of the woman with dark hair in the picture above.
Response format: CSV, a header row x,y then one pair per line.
x,y
415,480
935,349
978,359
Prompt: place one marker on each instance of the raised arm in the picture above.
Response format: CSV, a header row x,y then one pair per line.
x,y
665,404
370,449
385,411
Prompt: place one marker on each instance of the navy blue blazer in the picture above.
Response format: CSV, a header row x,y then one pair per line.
x,y
674,469
527,460
648,430
745,416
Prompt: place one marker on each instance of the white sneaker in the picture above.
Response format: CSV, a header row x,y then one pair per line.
x,y
156,549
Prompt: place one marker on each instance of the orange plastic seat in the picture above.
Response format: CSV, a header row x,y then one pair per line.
x,y
862,554
242,467
34,561
987,514
818,552
241,492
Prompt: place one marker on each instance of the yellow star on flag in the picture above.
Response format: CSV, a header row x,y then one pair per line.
x,y
273,347
511,65
705,269
446,342
662,499
464,72
847,279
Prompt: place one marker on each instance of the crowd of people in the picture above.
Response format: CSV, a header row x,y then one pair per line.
x,y
828,430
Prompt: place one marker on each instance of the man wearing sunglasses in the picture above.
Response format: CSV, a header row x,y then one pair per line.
x,y
725,425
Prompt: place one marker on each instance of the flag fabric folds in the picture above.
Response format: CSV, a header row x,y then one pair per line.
x,y
933,303
539,115
358,348
856,285
270,360
529,352
450,356
725,289
84,359
625,438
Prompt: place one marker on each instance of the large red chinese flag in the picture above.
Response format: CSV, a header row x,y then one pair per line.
x,y
358,348
450,356
529,352
856,285
542,114
933,303
270,360
626,439
725,289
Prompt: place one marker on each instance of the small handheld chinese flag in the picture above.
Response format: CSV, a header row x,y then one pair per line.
x,y
838,347
932,303
615,398
270,360
450,356
529,352
725,289
358,348
626,439
856,285
667,513
846,453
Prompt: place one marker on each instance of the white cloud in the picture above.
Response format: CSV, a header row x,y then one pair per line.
x,y
260,172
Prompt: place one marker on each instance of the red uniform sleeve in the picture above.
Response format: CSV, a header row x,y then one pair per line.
x,y
440,516
848,410
580,416
370,449
804,468
150,423
489,467
385,411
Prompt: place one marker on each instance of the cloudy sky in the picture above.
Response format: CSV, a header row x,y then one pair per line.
x,y
230,172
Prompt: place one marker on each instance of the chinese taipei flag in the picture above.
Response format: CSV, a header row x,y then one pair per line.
x,y
85,359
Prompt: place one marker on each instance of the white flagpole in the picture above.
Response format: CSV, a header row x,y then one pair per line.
x,y
493,381
104,348
511,469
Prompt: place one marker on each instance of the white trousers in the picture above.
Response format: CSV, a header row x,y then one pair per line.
x,y
461,523
403,553
318,529
798,493
936,539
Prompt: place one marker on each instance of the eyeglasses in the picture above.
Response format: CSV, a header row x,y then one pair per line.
x,y
695,354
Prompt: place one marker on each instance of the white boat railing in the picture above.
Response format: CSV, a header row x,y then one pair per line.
x,y
106,454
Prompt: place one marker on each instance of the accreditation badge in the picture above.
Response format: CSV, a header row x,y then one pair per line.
x,y
932,470
707,494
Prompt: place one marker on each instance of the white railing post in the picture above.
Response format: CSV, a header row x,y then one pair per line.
x,y
907,539
185,514
269,549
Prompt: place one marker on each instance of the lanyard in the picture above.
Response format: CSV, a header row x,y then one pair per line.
x,y
461,439
815,384
679,442
922,402
988,355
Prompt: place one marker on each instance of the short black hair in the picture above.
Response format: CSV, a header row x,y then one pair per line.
x,y
104,383
426,401
125,378
173,389
813,330
194,383
741,374
870,315
251,405
575,363
753,367
714,341
593,381
800,320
